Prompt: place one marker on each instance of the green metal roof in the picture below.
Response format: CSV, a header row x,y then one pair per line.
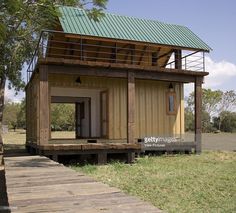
x,y
76,21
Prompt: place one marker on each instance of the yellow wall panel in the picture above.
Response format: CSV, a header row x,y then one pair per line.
x,y
151,118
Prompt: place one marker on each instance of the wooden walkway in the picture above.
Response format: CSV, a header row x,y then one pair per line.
x,y
37,184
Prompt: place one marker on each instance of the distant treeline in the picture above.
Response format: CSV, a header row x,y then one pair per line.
x,y
219,113
62,116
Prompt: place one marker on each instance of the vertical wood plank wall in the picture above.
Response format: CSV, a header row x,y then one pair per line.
x,y
150,105
32,112
151,116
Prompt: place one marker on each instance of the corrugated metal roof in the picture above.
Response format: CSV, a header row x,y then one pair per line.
x,y
76,21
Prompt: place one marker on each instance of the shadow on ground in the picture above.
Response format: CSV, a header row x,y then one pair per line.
x,y
14,150
4,204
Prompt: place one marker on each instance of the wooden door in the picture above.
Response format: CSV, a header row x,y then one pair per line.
x,y
104,113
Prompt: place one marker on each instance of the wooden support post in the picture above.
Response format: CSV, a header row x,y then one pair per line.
x,y
55,157
178,59
130,107
102,158
198,114
43,105
130,157
130,112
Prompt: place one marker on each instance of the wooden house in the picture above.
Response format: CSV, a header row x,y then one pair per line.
x,y
125,77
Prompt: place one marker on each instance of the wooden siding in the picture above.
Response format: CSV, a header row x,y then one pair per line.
x,y
32,110
151,118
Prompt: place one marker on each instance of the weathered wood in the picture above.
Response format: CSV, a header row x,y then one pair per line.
x,y
65,99
130,157
178,59
37,184
130,107
43,105
55,157
165,54
102,158
164,76
104,68
142,54
198,114
127,42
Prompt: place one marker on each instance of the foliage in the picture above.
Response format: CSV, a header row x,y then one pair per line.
x,y
14,115
189,120
176,183
63,117
214,103
20,25
228,121
206,122
210,100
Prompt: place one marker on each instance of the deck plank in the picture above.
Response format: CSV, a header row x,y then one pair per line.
x,y
38,184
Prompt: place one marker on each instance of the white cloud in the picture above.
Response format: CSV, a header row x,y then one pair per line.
x,y
220,73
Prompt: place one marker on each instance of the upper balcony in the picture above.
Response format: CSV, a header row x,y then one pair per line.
x,y
56,47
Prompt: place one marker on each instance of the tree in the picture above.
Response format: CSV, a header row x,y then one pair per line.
x,y
63,117
227,103
228,121
210,100
189,120
10,114
213,104
21,115
20,24
14,115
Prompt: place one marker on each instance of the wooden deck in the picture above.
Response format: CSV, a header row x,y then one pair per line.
x,y
37,184
101,150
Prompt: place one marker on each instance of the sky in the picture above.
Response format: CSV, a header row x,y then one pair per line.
x,y
212,20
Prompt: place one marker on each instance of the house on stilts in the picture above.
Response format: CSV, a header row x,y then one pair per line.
x,y
125,77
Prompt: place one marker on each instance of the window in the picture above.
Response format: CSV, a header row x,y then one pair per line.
x,y
171,103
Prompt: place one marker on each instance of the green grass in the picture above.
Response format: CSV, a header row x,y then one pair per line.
x,y
178,183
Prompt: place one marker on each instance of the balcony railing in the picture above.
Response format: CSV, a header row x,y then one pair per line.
x,y
58,45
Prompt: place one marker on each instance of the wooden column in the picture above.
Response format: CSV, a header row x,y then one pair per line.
x,y
130,112
198,114
43,105
178,60
102,158
130,107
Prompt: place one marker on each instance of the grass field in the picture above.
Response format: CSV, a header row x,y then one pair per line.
x,y
176,183
210,141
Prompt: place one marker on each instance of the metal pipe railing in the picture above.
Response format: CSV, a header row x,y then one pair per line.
x,y
51,46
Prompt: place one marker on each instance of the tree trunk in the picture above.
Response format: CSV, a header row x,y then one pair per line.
x,y
2,94
219,126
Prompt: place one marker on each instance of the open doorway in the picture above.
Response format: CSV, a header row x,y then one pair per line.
x,y
70,117
90,115
62,120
